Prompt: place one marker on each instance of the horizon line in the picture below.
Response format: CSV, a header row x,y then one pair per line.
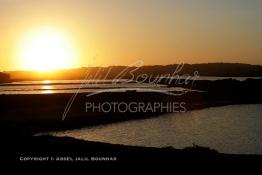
x,y
146,65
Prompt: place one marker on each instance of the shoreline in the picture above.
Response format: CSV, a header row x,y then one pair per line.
x,y
32,113
40,113
22,116
23,150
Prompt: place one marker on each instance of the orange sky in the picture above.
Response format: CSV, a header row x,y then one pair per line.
x,y
119,32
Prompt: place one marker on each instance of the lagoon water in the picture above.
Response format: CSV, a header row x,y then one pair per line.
x,y
71,86
233,129
229,129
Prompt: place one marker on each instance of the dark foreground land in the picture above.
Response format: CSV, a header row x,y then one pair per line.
x,y
22,116
44,112
50,150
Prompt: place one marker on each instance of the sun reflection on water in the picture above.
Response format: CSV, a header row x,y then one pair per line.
x,y
47,90
46,82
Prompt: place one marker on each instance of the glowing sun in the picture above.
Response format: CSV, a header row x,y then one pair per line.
x,y
46,49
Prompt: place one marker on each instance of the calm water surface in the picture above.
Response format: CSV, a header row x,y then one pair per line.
x,y
70,86
233,129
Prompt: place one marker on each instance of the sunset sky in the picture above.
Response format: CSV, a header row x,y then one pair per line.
x,y
119,32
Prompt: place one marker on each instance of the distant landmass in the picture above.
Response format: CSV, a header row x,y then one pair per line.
x,y
4,78
111,72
